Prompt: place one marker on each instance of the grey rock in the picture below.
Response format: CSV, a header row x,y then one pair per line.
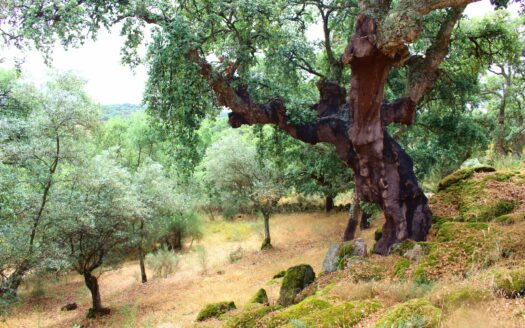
x,y
331,259
415,254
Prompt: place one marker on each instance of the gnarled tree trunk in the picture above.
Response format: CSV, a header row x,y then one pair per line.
x,y
357,127
328,203
96,301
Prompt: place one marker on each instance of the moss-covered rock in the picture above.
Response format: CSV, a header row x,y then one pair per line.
x,y
511,218
260,297
403,247
250,317
297,311
295,280
400,268
214,310
414,313
511,283
346,314
462,174
279,274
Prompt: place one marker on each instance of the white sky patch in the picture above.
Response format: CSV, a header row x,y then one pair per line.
x,y
108,80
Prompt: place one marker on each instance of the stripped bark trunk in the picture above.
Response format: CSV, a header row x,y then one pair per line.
x,y
383,172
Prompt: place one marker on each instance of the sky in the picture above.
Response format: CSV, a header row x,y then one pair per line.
x,y
98,62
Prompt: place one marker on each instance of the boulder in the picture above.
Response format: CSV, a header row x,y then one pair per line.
x,y
332,258
415,254
295,280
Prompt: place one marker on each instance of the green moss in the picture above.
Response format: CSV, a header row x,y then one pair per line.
x,y
414,313
346,250
279,274
461,247
304,308
250,317
214,310
454,230
266,245
465,296
462,174
500,176
295,280
260,297
490,211
511,283
403,247
347,314
378,234
400,268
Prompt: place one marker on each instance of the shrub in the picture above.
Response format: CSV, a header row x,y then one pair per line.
x,y
511,283
236,255
163,262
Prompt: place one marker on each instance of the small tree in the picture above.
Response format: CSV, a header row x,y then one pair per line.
x,y
98,208
232,167
42,132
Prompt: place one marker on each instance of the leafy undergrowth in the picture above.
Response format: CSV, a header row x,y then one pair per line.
x,y
471,269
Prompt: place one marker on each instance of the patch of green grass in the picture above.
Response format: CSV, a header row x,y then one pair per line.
x,y
414,313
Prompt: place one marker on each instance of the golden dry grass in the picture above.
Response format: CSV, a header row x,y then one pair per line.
x,y
175,301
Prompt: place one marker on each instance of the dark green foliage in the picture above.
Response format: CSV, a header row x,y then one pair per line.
x,y
119,110
295,280
214,310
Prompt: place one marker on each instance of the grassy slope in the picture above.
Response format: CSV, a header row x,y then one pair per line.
x,y
175,301
477,238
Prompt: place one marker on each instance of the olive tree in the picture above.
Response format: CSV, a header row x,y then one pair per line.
x,y
34,149
232,167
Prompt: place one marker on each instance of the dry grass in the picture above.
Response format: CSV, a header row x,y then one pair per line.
x,y
175,301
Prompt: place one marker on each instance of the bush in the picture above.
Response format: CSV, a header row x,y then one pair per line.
x,y
511,283
236,255
163,262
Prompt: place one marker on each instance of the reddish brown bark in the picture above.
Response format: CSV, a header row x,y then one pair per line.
x,y
356,126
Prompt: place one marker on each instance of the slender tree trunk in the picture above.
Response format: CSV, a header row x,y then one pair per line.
x,y
92,284
267,242
143,275
329,203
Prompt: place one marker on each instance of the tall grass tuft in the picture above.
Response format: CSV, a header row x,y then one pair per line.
x,y
163,262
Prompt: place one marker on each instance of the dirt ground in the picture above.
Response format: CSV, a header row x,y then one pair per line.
x,y
176,300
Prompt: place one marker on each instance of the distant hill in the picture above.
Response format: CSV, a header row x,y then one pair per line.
x,y
123,110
